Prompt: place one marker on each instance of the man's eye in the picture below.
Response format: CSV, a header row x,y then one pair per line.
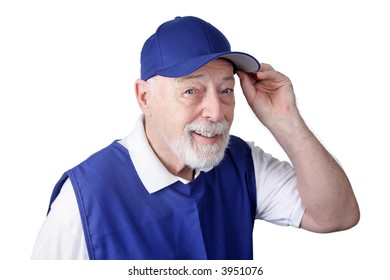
x,y
189,91
227,91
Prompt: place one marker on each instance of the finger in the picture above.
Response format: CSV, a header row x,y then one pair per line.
x,y
266,72
265,75
246,77
270,74
248,82
266,67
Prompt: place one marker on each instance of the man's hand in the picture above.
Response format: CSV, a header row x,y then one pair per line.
x,y
322,184
271,96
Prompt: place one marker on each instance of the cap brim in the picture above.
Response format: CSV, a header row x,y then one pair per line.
x,y
244,62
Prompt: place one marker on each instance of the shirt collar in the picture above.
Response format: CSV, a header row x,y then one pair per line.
x,y
150,169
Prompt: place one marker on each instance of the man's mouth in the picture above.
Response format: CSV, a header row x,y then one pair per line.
x,y
207,134
207,138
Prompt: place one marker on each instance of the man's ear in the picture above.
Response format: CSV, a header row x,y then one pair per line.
x,y
142,93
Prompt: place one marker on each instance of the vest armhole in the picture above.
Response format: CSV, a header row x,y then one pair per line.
x,y
83,215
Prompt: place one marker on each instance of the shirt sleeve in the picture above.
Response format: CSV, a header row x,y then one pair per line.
x,y
61,235
278,200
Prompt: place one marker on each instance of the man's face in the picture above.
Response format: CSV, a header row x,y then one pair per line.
x,y
190,117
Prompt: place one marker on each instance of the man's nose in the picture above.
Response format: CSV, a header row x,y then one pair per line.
x,y
213,107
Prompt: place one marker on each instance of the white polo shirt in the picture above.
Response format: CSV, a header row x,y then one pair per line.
x,y
278,201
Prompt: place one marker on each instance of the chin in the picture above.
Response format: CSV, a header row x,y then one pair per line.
x,y
204,159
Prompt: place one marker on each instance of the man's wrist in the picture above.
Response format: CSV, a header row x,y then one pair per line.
x,y
291,133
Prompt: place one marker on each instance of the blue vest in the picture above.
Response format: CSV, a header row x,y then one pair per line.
x,y
209,218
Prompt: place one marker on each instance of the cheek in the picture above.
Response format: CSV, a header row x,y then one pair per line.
x,y
171,122
229,112
172,115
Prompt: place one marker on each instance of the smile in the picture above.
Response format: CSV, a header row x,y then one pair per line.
x,y
207,138
207,134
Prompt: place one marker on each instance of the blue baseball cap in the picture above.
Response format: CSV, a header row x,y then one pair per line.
x,y
184,44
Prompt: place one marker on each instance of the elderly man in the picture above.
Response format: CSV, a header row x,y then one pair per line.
x,y
180,186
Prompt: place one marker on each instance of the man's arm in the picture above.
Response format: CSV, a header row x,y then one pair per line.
x,y
322,184
61,236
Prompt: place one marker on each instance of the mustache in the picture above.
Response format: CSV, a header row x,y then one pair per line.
x,y
208,129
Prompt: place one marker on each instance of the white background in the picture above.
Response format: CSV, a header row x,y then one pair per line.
x,y
67,70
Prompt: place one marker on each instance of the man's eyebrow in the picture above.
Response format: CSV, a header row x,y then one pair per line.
x,y
228,78
190,77
197,76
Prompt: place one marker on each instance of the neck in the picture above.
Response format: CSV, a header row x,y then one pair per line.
x,y
175,166
188,174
